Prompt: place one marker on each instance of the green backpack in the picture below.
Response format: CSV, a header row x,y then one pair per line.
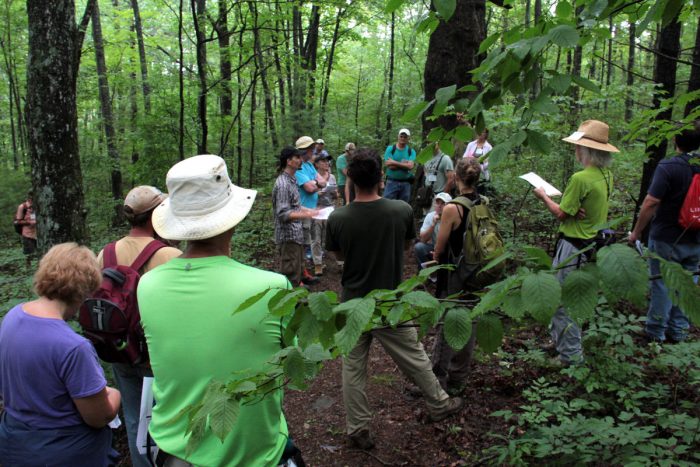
x,y
482,243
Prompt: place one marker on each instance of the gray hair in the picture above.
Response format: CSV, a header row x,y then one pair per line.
x,y
595,157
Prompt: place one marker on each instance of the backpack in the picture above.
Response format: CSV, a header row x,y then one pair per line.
x,y
482,243
689,214
110,317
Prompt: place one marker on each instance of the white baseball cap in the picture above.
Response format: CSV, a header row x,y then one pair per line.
x,y
444,197
405,130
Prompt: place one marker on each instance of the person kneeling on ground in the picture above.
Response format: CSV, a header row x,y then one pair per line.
x,y
57,402
429,230
193,338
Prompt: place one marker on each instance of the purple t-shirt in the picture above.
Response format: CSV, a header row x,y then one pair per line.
x,y
44,365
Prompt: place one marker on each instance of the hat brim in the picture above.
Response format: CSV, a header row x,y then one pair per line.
x,y
589,143
173,227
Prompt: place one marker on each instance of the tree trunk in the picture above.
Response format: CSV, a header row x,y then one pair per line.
x,y
309,55
278,68
629,103
142,57
181,78
107,120
54,56
239,103
694,81
446,64
665,75
260,65
329,69
199,12
253,107
223,34
390,82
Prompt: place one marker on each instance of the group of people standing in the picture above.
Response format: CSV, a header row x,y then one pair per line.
x,y
57,404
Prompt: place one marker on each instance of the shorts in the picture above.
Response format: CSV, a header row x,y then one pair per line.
x,y
28,245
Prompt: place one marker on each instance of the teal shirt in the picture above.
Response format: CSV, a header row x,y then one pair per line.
x,y
341,163
589,189
400,155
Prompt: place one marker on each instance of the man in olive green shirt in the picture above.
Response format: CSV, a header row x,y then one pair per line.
x,y
583,206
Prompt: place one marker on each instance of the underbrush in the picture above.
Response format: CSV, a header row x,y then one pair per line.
x,y
629,404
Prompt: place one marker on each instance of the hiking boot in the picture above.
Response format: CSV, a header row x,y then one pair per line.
x,y
362,440
318,269
308,279
454,405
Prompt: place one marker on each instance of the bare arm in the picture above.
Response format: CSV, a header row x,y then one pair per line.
x,y
99,409
649,207
311,186
426,235
450,217
450,181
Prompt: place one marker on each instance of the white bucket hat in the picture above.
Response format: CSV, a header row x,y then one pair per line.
x,y
202,202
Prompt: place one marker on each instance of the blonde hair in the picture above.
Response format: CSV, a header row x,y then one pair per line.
x,y
67,272
468,171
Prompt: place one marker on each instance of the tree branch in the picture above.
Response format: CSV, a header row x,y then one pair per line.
x,y
80,33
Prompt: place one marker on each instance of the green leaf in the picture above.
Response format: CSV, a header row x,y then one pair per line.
x,y
415,111
499,153
358,311
580,295
586,84
309,328
393,5
435,134
447,147
464,133
446,8
316,353
564,36
541,294
321,304
683,291
544,105
421,299
493,298
223,413
538,256
489,333
488,42
560,83
251,301
394,316
538,142
673,7
443,95
623,274
295,367
564,10
513,305
457,328
288,302
409,284
425,155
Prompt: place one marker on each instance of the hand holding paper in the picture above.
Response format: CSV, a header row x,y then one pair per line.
x,y
538,182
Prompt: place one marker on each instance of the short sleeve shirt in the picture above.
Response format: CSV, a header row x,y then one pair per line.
x,y
373,256
589,189
436,170
670,184
306,174
399,155
341,164
427,222
44,365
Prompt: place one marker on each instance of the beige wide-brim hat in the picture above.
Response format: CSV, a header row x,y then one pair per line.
x,y
202,201
592,134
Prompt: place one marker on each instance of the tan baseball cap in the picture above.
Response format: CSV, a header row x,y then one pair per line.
x,y
304,142
142,199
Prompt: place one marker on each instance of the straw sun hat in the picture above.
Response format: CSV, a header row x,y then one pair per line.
x,y
592,134
202,201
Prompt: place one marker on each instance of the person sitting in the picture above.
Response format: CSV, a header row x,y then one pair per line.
x,y
57,402
429,230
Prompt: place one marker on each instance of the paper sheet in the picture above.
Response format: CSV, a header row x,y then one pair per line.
x,y
536,181
324,213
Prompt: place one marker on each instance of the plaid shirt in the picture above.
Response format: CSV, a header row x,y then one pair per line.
x,y
285,200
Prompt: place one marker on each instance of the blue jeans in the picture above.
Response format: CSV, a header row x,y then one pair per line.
x,y
396,189
423,252
664,318
130,383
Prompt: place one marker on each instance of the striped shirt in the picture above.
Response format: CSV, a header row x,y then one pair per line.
x,y
285,200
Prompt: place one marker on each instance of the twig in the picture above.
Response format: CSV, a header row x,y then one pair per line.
x,y
371,455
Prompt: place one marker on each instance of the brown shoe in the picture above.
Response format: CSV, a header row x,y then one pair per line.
x,y
362,440
454,405
318,270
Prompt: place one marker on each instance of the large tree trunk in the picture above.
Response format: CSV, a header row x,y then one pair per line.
x,y
52,68
694,81
107,120
260,65
142,57
181,82
199,12
665,75
447,64
223,35
390,81
329,69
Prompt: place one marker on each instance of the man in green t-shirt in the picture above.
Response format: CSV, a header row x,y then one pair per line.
x,y
399,159
371,234
193,338
342,166
583,207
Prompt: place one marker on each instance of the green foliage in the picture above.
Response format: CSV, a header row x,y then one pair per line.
x,y
457,327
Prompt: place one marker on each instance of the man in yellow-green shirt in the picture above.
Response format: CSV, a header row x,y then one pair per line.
x,y
583,207
186,309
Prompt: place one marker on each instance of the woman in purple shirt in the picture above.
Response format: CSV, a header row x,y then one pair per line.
x,y
57,403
